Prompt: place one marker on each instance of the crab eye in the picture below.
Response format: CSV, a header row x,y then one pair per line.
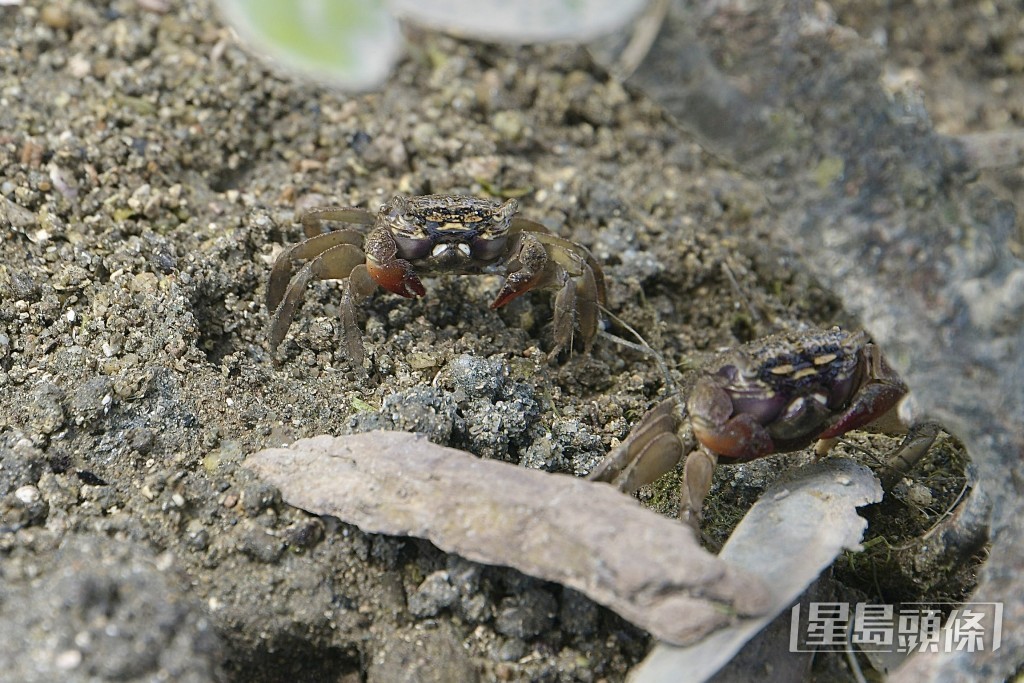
x,y
506,211
398,216
398,207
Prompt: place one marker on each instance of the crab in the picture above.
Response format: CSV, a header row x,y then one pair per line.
x,y
435,234
776,395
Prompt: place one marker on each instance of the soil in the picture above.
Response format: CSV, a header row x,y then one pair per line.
x,y
151,171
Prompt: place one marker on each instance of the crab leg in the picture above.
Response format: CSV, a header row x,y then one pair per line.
x,y
589,287
918,441
652,449
875,401
565,252
870,400
737,438
698,472
334,263
587,306
283,268
312,220
540,260
565,306
358,286
536,269
572,257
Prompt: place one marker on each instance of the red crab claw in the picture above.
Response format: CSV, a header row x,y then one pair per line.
x,y
732,437
396,276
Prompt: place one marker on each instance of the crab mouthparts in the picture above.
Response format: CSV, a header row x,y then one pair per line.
x,y
440,249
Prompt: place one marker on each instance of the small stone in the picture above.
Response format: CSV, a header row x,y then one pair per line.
x,y
261,546
258,496
433,595
509,124
304,534
527,615
919,495
197,538
68,660
142,440
512,650
55,16
27,494
48,414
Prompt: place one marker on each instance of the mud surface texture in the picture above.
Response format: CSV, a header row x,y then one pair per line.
x,y
151,171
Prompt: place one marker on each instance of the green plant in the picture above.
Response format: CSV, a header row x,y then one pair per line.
x,y
352,44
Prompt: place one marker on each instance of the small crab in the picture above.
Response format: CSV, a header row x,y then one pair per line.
x,y
775,395
434,234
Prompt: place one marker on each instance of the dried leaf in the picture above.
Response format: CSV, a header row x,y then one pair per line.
x,y
792,533
584,535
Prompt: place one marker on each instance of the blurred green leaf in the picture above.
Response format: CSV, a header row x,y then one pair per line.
x,y
353,44
348,43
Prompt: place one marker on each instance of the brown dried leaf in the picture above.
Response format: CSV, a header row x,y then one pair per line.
x,y
584,535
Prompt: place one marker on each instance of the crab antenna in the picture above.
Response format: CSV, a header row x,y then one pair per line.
x,y
642,347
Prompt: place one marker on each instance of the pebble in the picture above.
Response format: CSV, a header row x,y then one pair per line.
x,y
919,495
27,494
68,660
434,594
55,16
526,615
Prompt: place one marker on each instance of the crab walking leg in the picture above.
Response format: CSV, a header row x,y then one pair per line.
x,y
358,287
876,400
916,444
588,285
335,263
864,412
652,449
540,260
576,259
313,220
284,268
557,244
564,317
698,472
587,307
349,326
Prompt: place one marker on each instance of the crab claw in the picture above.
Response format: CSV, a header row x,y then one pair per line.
x,y
872,402
732,437
515,285
396,276
527,270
